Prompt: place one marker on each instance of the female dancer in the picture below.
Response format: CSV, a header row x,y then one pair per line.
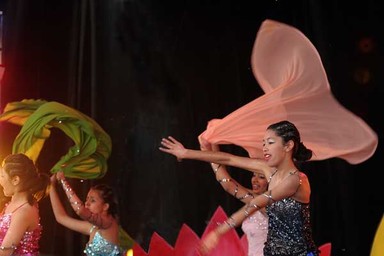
x,y
98,216
255,227
20,228
287,200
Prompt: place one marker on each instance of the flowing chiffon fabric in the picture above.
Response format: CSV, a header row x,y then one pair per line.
x,y
85,159
289,69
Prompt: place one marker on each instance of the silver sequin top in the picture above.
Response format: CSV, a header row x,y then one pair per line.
x,y
101,247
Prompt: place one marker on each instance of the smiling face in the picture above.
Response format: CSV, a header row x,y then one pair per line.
x,y
274,149
95,203
259,183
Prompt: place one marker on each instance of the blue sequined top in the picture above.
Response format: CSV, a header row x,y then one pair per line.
x,y
101,247
289,230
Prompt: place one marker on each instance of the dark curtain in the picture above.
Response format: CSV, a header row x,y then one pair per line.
x,y
147,69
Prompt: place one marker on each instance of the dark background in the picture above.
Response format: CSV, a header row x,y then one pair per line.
x,y
145,69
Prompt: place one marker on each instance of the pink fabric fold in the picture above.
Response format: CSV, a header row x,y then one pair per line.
x,y
289,70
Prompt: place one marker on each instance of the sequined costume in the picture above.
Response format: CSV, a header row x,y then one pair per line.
x,y
289,232
101,247
255,228
29,243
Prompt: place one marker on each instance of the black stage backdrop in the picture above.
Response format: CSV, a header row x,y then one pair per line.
x,y
145,69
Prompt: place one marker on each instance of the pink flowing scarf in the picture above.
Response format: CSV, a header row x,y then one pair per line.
x,y
289,69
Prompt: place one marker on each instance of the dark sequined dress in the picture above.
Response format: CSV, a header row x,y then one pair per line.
x,y
289,232
289,229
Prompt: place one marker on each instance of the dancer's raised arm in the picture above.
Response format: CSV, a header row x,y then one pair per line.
x,y
172,146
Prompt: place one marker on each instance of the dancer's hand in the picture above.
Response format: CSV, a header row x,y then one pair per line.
x,y
53,179
204,144
57,177
209,242
171,146
60,175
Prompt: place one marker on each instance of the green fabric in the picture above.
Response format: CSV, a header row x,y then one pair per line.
x,y
86,159
126,242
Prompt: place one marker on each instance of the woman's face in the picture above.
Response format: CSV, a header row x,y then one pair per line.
x,y
5,182
94,202
259,183
273,148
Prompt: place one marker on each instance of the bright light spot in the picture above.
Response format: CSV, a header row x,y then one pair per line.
x,y
130,252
